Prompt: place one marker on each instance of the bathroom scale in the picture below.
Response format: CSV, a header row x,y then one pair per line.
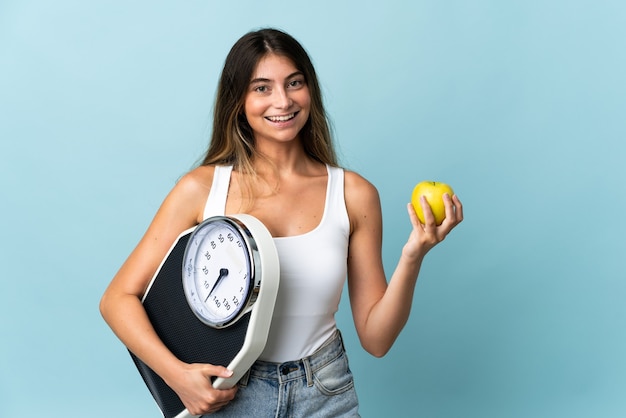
x,y
212,300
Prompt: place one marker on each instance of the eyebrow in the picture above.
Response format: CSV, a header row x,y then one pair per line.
x,y
267,80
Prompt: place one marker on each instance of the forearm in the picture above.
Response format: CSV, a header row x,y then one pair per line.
x,y
390,314
128,320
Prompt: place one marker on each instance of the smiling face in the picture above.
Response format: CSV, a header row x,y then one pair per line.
x,y
277,103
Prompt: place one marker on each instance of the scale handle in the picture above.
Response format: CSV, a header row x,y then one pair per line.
x,y
186,414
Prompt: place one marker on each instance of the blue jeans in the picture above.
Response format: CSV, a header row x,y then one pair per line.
x,y
321,386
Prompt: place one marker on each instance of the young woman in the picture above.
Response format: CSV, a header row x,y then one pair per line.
x,y
271,151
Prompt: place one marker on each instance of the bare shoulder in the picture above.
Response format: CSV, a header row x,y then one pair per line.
x,y
190,193
358,189
362,199
200,178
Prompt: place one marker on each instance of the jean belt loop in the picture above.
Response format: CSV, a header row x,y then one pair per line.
x,y
307,370
243,382
343,347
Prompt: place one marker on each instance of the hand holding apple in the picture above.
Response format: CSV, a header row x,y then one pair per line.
x,y
433,191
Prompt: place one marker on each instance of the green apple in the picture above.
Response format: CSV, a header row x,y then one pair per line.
x,y
433,191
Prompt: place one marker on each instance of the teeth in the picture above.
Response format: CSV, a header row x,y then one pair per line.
x,y
281,118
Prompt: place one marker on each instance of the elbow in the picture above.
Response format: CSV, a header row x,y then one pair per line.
x,y
377,350
377,343
378,353
103,306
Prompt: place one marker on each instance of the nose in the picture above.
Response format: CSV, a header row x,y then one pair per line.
x,y
282,100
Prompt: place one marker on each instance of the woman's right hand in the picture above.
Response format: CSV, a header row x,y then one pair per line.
x,y
192,384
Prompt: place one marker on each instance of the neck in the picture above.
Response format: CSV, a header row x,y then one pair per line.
x,y
281,159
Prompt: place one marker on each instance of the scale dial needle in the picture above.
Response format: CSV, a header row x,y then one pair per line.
x,y
223,273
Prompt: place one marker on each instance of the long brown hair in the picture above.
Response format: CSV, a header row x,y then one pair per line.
x,y
232,139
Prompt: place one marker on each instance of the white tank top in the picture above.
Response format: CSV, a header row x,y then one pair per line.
x,y
313,268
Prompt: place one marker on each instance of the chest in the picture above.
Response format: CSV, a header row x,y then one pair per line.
x,y
291,209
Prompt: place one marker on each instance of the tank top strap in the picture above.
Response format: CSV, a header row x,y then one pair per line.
x,y
336,205
216,202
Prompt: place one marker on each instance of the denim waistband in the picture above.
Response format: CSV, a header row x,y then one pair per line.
x,y
298,369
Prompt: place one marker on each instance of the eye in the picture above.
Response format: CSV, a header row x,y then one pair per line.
x,y
296,83
261,89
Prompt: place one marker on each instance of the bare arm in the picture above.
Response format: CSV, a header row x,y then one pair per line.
x,y
381,309
121,304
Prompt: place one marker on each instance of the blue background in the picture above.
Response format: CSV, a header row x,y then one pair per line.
x,y
519,105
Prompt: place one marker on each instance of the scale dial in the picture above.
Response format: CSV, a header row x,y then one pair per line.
x,y
219,277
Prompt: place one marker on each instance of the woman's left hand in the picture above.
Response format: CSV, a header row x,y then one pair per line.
x,y
425,236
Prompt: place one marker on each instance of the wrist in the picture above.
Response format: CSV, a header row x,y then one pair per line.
x,y
171,371
413,255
